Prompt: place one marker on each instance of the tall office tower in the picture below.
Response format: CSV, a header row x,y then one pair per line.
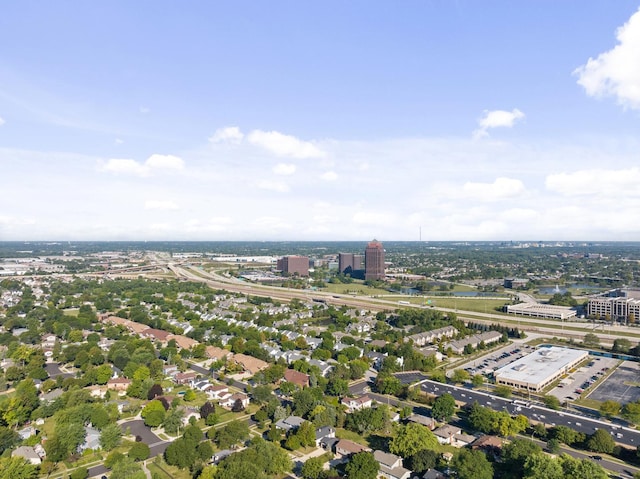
x,y
374,261
358,262
294,265
345,261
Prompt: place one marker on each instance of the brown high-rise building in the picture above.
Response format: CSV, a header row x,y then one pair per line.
x,y
294,265
374,261
350,263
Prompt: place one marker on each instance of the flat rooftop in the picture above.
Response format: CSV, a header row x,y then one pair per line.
x,y
538,366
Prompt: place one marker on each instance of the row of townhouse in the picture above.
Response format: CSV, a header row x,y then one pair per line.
x,y
430,337
488,337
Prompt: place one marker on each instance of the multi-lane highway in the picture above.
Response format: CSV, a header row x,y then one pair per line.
x,y
622,435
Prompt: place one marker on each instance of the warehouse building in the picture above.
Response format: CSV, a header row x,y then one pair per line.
x,y
537,370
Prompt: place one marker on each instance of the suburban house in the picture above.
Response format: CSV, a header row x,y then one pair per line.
x,y
118,384
357,403
426,421
326,432
391,466
185,378
218,391
28,453
92,439
453,436
345,448
290,423
231,400
216,353
250,364
296,377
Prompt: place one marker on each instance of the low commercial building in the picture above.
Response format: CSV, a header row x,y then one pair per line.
x,y
538,310
537,370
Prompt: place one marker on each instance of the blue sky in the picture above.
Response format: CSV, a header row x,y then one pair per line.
x,y
320,121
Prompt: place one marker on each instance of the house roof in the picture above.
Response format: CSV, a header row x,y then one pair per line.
x,y
183,341
350,446
447,430
25,451
296,377
250,364
157,334
215,352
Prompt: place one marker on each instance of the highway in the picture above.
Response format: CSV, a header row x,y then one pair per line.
x,y
622,435
543,326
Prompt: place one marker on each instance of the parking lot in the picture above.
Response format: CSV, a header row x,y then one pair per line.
x,y
622,386
489,363
574,385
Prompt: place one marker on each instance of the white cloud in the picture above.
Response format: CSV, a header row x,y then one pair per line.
x,y
2,122
270,185
118,141
144,110
596,182
496,119
229,134
216,224
616,72
501,188
284,169
164,162
285,145
132,167
329,176
375,218
160,205
125,166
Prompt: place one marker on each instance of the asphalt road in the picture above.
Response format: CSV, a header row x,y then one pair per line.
x,y
622,435
156,445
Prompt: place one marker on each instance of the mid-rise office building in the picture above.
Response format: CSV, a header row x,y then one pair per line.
x,y
619,305
374,261
294,265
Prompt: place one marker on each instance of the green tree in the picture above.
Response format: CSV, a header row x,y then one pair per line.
x,y
541,466
610,408
412,438
621,345
460,376
591,340
601,441
80,473
139,451
362,466
205,451
551,402
126,469
17,468
581,469
444,407
515,454
631,412
190,395
153,413
503,391
477,380
232,433
553,446
312,468
173,421
422,460
472,465
103,374
181,453
110,437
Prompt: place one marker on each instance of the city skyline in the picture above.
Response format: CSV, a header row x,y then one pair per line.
x,y
440,120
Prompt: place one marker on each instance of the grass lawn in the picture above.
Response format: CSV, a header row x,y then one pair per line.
x,y
478,305
352,436
354,288
166,471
